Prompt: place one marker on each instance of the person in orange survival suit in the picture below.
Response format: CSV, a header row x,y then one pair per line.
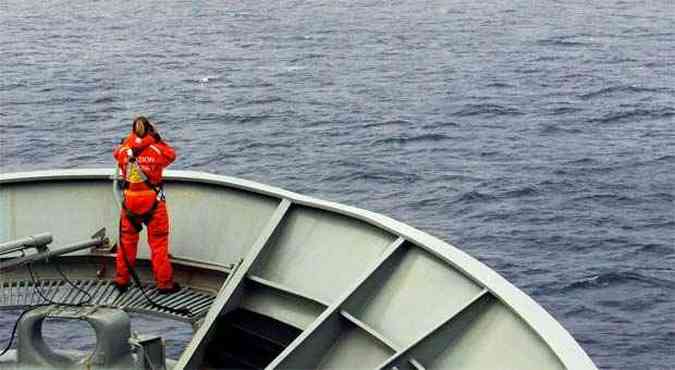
x,y
141,157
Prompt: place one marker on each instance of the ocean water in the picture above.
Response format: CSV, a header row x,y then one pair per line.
x,y
536,136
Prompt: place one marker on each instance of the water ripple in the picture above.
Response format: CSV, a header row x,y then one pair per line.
x,y
531,138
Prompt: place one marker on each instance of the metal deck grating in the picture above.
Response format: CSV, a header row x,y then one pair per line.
x,y
21,294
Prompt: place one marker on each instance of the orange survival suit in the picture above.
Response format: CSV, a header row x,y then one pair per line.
x,y
141,161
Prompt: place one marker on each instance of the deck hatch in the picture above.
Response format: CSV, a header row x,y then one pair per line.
x,y
244,339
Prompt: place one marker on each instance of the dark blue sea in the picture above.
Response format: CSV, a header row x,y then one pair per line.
x,y
537,136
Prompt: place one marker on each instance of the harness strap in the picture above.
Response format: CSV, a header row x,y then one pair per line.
x,y
137,220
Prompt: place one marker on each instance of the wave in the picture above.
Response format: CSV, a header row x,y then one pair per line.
x,y
622,89
660,250
439,124
635,114
491,153
412,139
309,56
499,85
658,225
83,157
526,191
425,202
546,59
659,64
263,101
229,118
377,176
251,118
206,79
182,55
455,177
582,162
105,99
558,183
564,110
609,199
248,143
563,41
470,110
615,278
661,196
586,312
645,34
666,158
552,129
394,122
474,196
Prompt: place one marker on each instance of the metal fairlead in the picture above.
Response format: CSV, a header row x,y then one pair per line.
x,y
113,332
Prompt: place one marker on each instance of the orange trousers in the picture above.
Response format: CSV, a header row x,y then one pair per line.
x,y
158,239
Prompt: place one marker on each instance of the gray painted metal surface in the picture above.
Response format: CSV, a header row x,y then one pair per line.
x,y
38,241
367,291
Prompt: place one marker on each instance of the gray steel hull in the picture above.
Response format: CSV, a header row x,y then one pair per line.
x,y
364,291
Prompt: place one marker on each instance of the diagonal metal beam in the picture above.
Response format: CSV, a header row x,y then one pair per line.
x,y
407,354
230,293
327,319
370,331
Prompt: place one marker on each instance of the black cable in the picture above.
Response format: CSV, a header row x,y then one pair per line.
x,y
49,301
179,311
58,268
36,288
16,325
120,202
134,276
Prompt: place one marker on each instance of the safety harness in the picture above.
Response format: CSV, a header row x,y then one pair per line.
x,y
136,219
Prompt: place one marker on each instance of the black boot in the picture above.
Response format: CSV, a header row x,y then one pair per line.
x,y
121,288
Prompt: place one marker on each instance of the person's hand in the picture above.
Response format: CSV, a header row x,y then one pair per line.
x,y
130,155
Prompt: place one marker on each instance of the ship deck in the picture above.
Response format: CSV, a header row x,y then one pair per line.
x,y
303,282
